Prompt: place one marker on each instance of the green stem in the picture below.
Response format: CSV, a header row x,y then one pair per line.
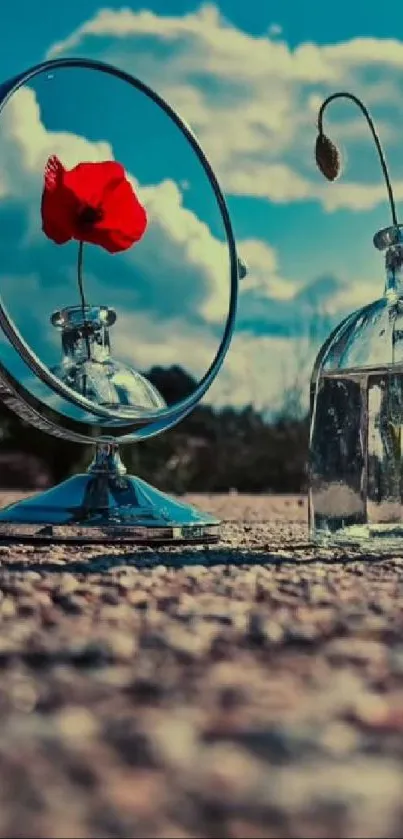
x,y
82,296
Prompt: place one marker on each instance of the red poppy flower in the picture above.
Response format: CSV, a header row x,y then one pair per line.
x,y
94,202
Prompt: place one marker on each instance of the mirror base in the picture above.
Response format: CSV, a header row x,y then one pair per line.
x,y
106,505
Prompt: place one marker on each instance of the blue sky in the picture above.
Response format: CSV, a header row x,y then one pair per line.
x,y
248,78
317,23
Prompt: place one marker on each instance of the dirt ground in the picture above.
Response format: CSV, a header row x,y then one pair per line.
x,y
249,689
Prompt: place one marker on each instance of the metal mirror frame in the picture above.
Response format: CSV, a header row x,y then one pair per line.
x,y
30,407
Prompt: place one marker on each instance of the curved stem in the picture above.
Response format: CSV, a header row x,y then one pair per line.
x,y
82,296
382,160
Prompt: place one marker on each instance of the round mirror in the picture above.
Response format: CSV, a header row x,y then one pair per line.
x,y
119,272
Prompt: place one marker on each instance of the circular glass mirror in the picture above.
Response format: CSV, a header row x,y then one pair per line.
x,y
119,273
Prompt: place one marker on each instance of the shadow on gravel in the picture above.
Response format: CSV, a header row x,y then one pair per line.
x,y
298,555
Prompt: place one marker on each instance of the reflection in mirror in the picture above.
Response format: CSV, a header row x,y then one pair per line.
x,y
87,365
51,404
116,311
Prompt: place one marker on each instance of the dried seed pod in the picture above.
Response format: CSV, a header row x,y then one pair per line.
x,y
327,157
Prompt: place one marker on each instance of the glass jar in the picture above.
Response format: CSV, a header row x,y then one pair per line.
x,y
88,367
356,465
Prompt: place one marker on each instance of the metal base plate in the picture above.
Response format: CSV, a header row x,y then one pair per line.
x,y
102,508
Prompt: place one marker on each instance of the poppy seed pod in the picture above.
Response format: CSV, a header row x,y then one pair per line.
x,y
327,157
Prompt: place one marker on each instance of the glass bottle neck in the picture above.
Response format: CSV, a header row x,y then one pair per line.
x,y
85,333
390,240
394,270
86,344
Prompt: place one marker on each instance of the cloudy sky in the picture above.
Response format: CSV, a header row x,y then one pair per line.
x,y
248,78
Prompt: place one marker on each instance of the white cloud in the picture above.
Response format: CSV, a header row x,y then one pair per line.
x,y
26,145
282,185
275,181
256,370
260,371
263,268
253,100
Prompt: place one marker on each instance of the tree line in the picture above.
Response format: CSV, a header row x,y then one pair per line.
x,y
212,450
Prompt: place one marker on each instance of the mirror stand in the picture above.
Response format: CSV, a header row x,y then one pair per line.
x,y
112,401
106,505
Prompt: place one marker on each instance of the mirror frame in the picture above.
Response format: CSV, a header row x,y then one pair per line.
x,y
126,430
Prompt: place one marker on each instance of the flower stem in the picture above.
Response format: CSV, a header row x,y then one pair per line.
x,y
82,296
367,115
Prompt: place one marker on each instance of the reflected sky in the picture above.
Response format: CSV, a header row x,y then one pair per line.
x,y
172,287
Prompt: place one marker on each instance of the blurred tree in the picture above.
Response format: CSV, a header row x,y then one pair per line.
x,y
209,451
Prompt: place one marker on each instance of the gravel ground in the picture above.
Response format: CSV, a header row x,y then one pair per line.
x,y
249,689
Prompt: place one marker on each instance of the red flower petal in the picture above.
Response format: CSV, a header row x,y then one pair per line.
x,y
124,219
102,187
88,181
57,212
53,175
